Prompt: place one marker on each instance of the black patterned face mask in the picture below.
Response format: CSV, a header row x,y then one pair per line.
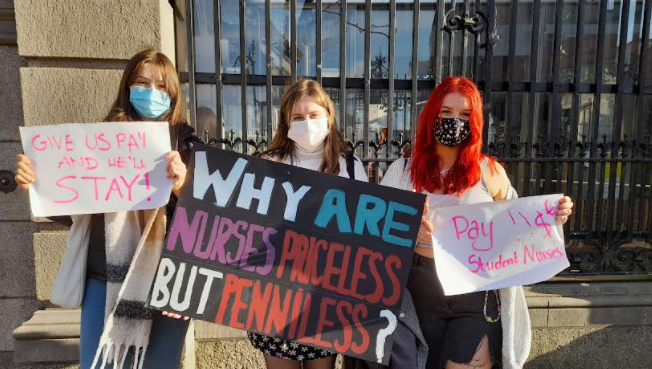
x,y
451,131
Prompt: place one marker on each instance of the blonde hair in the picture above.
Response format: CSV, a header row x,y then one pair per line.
x,y
334,144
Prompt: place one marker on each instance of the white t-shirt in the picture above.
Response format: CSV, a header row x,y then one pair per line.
x,y
313,161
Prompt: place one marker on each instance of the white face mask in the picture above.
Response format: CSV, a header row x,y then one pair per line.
x,y
309,134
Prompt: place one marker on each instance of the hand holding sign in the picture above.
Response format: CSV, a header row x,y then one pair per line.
x,y
564,210
24,175
176,171
175,316
425,230
499,244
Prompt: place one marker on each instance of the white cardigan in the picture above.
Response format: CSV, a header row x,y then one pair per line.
x,y
515,319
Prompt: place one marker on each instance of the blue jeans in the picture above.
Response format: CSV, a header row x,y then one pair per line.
x,y
165,340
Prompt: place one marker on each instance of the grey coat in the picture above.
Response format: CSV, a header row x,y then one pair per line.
x,y
410,350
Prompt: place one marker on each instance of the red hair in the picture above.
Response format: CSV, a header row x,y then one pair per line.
x,y
465,172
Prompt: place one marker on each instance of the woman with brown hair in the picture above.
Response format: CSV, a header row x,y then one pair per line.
x,y
123,249
307,136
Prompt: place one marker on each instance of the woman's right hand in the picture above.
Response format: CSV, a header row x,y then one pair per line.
x,y
175,316
24,175
425,230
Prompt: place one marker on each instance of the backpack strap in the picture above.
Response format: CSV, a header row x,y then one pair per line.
x,y
350,164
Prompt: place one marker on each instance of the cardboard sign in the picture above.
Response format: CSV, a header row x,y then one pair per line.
x,y
290,253
498,244
84,168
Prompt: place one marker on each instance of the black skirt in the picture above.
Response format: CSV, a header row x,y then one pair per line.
x,y
453,326
286,349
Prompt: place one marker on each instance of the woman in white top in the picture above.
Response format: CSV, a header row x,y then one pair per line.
x,y
447,165
307,137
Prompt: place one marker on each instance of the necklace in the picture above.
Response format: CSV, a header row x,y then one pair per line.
x,y
488,318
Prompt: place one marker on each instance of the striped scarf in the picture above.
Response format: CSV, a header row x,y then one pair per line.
x,y
134,241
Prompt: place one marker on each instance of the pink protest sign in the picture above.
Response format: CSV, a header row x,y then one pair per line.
x,y
498,244
88,168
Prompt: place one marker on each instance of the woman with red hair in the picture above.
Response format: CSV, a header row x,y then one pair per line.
x,y
447,165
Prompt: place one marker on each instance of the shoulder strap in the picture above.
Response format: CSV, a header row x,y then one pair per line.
x,y
350,164
483,167
484,163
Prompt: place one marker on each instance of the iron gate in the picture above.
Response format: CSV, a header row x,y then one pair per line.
x,y
567,87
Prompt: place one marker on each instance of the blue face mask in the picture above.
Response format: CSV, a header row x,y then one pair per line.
x,y
148,102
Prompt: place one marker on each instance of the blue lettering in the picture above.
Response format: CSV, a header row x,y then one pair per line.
x,y
391,224
369,216
334,204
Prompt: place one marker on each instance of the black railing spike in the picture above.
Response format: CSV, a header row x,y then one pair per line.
x,y
353,144
376,145
516,148
604,147
257,144
400,144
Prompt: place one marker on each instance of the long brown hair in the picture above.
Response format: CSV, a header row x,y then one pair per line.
x,y
123,111
334,144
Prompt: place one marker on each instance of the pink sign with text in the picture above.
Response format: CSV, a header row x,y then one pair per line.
x,y
498,244
88,168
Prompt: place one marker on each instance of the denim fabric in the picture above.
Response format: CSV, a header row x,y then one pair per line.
x,y
165,340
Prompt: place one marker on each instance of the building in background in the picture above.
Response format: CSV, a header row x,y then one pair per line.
x,y
568,108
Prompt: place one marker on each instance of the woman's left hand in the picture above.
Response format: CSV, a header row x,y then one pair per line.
x,y
175,316
564,210
176,171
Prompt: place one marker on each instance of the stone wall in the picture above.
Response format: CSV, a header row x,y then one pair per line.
x,y
17,290
591,325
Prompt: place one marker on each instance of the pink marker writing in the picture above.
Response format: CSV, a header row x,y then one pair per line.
x,y
52,142
473,231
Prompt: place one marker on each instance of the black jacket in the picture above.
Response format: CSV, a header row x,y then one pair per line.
x,y
186,139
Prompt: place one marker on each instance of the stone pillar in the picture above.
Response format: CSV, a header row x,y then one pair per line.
x,y
65,67
17,290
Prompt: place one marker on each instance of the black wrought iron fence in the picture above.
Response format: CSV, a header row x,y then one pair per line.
x,y
567,88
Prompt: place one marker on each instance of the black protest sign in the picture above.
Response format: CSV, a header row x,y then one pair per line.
x,y
290,253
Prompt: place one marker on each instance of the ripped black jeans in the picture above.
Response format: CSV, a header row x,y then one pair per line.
x,y
453,326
